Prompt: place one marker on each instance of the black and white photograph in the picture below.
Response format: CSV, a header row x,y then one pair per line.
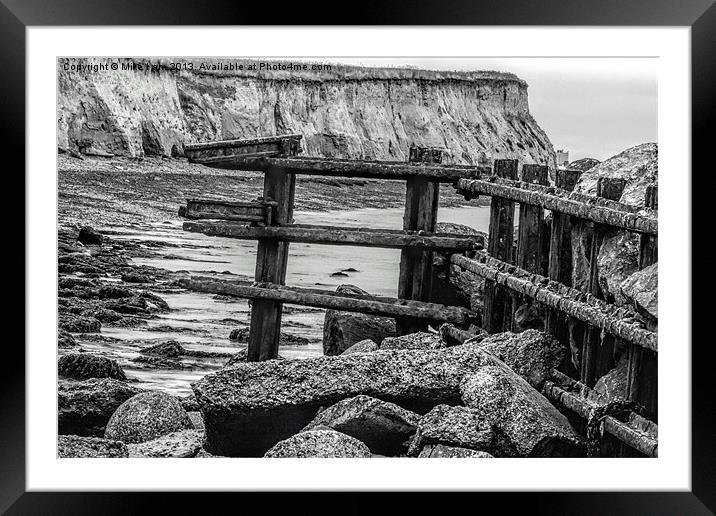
x,y
400,258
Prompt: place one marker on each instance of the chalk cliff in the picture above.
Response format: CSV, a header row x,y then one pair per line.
x,y
370,113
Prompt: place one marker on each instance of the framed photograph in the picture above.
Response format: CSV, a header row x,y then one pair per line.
x,y
376,257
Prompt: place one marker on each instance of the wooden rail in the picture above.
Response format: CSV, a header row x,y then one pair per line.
x,y
363,237
582,206
348,167
375,305
584,307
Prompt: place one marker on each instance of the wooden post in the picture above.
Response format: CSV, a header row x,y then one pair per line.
x,y
598,350
421,210
642,377
499,245
271,260
560,263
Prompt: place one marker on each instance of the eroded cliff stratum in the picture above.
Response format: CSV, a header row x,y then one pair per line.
x,y
368,113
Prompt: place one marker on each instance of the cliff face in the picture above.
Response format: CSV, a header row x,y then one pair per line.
x,y
354,112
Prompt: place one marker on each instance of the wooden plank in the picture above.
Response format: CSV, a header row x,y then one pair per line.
x,y
560,264
642,374
354,168
416,265
597,349
217,151
256,211
374,305
587,207
616,320
326,235
499,245
271,259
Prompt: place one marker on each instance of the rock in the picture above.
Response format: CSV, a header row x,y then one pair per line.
x,y
617,260
196,419
136,277
65,339
419,340
440,451
383,427
89,236
529,316
82,366
285,339
203,454
240,334
170,349
363,346
319,443
79,324
583,164
458,426
189,403
618,253
529,424
343,329
147,416
85,407
182,444
641,291
611,386
74,446
531,354
249,407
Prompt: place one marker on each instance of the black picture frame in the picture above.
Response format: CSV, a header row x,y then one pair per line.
x,y
17,15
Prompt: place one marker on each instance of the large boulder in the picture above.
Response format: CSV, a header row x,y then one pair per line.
x,y
147,416
363,346
85,407
249,407
440,451
384,427
82,366
453,288
531,354
527,422
319,443
641,292
457,426
343,329
74,446
419,340
179,445
618,253
612,386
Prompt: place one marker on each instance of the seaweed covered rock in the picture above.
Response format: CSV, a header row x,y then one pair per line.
x,y
82,366
343,329
419,340
440,451
179,445
74,446
85,407
147,416
319,443
65,339
527,422
89,236
384,427
79,324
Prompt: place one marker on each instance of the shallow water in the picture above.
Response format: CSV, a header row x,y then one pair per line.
x,y
201,322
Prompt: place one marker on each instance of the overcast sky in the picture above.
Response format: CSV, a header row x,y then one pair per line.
x,y
592,107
